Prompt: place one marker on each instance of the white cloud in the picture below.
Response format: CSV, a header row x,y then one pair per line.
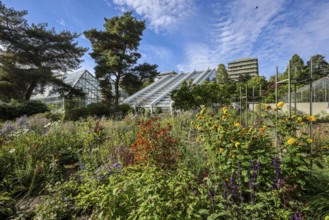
x,y
108,3
243,23
197,56
152,52
235,30
303,31
61,22
273,32
162,15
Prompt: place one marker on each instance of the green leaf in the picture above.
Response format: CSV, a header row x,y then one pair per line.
x,y
203,212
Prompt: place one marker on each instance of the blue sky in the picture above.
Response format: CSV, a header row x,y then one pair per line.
x,y
183,35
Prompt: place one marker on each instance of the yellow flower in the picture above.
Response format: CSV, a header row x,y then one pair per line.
x,y
224,110
250,130
262,129
203,110
299,119
236,124
221,150
291,141
311,118
237,144
309,140
223,117
280,104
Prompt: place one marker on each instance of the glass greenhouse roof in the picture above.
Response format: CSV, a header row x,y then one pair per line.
x,y
320,90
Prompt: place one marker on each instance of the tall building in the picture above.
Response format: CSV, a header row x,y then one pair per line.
x,y
243,66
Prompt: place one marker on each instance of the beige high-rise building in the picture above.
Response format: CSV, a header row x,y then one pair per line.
x,y
243,66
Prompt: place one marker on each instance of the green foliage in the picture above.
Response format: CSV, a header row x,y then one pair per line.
x,y
7,206
210,168
75,114
115,49
98,110
320,66
140,76
133,193
191,96
12,110
248,176
31,54
92,110
155,145
221,74
124,109
297,62
131,83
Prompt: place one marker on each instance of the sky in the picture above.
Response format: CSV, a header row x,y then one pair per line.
x,y
187,35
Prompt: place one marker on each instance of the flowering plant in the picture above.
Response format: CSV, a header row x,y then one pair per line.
x,y
155,144
247,170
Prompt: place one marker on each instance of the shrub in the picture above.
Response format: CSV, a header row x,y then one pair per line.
x,y
12,110
75,114
98,109
7,206
155,145
124,109
248,175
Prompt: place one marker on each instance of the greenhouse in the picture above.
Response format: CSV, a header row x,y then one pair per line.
x,y
157,95
83,80
320,92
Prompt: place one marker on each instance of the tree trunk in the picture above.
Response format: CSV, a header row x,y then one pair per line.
x,y
29,90
117,95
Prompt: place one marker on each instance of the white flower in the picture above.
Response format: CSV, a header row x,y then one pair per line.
x,y
47,125
12,151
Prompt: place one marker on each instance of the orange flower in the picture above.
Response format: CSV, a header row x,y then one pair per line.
x,y
311,118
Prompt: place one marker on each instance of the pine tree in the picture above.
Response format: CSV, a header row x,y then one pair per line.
x,y
115,49
32,54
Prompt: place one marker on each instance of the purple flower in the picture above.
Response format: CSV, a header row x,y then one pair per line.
x,y
255,169
233,187
296,216
66,199
277,181
82,166
22,122
210,193
240,182
8,129
117,166
258,167
225,191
